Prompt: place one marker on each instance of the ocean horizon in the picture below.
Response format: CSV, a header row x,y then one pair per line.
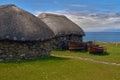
x,y
102,36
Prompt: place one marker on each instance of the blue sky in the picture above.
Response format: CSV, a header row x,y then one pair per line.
x,y
51,5
91,15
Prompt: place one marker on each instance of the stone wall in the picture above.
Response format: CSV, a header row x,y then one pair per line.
x,y
11,50
76,38
61,43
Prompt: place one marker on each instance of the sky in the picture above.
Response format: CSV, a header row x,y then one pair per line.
x,y
90,15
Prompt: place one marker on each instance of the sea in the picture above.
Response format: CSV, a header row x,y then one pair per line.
x,y
102,36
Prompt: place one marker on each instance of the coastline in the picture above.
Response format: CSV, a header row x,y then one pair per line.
x,y
109,37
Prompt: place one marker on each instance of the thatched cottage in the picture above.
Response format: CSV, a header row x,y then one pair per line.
x,y
22,35
64,29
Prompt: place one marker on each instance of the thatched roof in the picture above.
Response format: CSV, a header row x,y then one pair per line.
x,y
17,24
60,24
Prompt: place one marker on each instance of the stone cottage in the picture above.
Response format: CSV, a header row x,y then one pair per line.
x,y
22,35
64,29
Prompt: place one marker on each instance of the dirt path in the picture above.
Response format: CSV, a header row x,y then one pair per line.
x,y
88,59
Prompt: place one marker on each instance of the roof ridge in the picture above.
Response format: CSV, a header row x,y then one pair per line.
x,y
51,14
8,5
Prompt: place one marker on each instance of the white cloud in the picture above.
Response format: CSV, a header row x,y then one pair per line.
x,y
36,13
91,22
77,5
79,12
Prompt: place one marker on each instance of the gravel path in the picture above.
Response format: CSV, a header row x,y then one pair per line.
x,y
88,59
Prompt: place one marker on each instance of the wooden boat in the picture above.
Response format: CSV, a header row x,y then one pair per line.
x,y
96,49
77,46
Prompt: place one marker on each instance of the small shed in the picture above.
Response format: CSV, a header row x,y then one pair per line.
x,y
22,35
64,29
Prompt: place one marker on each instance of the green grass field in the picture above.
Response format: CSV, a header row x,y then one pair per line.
x,y
113,51
56,68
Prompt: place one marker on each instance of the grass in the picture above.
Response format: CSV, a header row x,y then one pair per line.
x,y
113,51
55,68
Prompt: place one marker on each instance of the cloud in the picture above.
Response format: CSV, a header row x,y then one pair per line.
x,y
63,12
36,13
94,24
100,8
91,22
79,12
77,5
